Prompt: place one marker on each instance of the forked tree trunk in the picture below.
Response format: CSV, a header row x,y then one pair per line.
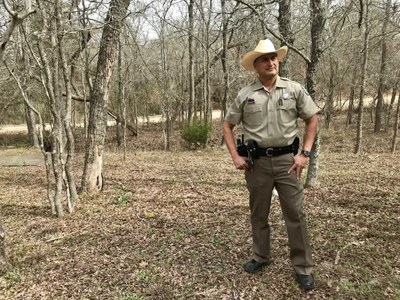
x,y
92,178
68,174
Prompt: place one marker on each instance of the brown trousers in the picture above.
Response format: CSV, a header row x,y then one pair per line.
x,y
270,172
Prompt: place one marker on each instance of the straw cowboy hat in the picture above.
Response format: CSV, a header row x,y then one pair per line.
x,y
263,47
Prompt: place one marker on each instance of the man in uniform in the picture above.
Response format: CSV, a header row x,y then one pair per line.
x,y
268,110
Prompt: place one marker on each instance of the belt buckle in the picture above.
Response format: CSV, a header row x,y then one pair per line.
x,y
268,152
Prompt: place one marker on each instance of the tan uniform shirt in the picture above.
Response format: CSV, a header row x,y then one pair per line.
x,y
270,118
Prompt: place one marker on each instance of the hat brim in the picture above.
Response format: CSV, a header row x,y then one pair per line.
x,y
249,58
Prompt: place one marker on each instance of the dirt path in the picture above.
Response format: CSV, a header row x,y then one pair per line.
x,y
153,119
16,158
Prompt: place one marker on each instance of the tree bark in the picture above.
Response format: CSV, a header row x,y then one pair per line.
x,y
16,19
328,111
285,29
392,100
191,62
396,126
224,58
67,165
4,264
350,110
381,86
92,178
317,26
31,125
365,51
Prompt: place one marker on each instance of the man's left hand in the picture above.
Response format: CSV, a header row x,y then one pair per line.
x,y
299,162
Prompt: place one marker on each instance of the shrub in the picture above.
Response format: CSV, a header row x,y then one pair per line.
x,y
196,134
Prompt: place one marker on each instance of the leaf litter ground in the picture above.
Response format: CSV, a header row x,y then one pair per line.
x,y
175,225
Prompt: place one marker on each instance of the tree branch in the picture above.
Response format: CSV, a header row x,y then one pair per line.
x,y
16,19
273,33
111,113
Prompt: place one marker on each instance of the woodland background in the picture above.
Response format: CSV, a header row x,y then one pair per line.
x,y
151,219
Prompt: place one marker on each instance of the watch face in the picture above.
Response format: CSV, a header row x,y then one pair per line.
x,y
306,153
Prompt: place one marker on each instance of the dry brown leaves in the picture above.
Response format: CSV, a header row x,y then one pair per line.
x,y
175,225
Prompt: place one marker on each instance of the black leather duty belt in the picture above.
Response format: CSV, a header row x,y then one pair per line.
x,y
275,151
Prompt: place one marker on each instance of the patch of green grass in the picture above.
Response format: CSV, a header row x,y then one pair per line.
x,y
230,232
14,140
23,249
178,236
264,280
123,199
216,241
12,277
97,210
145,276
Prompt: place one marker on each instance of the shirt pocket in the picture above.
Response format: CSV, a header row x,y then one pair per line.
x,y
287,110
252,114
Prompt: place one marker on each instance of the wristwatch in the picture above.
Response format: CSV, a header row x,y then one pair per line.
x,y
306,153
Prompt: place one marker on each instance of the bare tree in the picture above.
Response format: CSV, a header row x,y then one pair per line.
x,y
224,57
16,19
396,126
92,178
191,97
381,86
392,100
364,21
285,29
317,25
350,110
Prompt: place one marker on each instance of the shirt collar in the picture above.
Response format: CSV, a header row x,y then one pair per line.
x,y
279,84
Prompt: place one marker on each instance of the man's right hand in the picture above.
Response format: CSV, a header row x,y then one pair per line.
x,y
241,163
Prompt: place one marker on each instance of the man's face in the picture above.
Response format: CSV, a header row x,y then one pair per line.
x,y
267,65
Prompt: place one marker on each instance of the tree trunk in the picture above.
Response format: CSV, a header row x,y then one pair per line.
x,y
365,51
16,20
224,59
381,86
120,87
396,126
351,97
392,100
313,167
285,29
51,84
67,165
191,62
165,83
331,87
3,258
317,26
31,125
207,87
92,178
